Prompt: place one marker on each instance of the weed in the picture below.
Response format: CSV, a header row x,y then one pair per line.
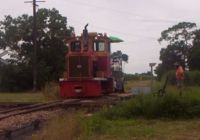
x,y
149,106
65,127
51,91
23,97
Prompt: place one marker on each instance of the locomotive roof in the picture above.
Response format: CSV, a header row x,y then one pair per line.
x,y
113,39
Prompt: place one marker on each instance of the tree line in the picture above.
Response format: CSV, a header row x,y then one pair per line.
x,y
183,47
16,37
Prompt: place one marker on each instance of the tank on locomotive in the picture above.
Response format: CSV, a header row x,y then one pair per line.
x,y
88,66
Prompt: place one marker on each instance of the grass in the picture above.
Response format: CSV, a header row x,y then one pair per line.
x,y
150,106
22,97
141,129
73,127
48,93
138,83
145,117
51,91
66,127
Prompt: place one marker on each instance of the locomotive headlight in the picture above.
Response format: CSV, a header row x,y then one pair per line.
x,y
79,66
78,89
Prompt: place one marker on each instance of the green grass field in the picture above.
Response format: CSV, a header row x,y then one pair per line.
x,y
72,128
141,129
116,125
134,120
22,97
49,93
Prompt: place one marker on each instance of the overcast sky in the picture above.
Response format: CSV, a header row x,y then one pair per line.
x,y
138,22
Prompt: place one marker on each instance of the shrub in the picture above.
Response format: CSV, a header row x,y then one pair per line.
x,y
51,91
148,106
64,127
192,78
96,124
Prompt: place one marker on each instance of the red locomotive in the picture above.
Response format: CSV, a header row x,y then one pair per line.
x,y
88,66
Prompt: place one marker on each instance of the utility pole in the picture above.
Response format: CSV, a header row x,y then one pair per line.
x,y
152,65
34,56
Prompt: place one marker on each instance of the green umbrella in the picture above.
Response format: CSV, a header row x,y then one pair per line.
x,y
115,39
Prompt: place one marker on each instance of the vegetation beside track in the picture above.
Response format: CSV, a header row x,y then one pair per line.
x,y
49,92
144,117
72,127
22,97
135,83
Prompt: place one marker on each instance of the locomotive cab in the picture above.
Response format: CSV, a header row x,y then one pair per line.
x,y
88,67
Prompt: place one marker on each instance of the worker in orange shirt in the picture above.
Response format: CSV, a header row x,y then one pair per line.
x,y
180,78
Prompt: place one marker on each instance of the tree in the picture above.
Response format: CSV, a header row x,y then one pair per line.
x,y
180,35
117,59
120,55
15,78
179,40
16,36
194,55
169,57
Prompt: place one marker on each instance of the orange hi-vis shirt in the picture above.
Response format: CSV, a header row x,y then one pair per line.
x,y
180,73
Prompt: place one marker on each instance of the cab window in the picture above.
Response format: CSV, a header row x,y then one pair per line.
x,y
76,46
99,46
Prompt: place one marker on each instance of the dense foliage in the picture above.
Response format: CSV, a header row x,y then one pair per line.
x,y
183,47
191,78
194,57
137,118
16,36
120,55
148,106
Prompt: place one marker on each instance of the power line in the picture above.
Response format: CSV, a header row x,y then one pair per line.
x,y
115,31
104,28
147,19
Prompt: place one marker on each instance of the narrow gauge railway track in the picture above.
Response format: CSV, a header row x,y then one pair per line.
x,y
12,108
7,105
91,104
30,108
20,115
